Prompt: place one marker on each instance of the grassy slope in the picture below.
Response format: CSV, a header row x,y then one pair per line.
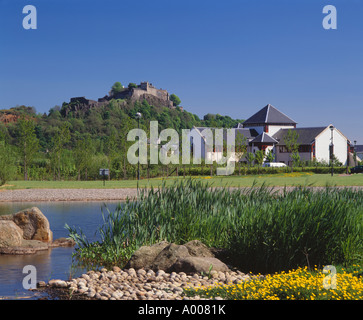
x,y
294,179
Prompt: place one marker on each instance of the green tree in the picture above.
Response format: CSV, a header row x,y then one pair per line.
x,y
259,157
82,154
270,157
175,99
240,148
292,145
132,85
59,140
116,88
126,126
111,150
7,162
250,158
28,143
295,156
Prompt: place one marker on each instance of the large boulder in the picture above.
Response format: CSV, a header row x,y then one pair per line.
x,y
10,234
197,248
27,232
191,257
34,224
199,265
168,256
145,255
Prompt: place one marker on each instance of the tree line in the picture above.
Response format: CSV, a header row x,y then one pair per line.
x,y
61,145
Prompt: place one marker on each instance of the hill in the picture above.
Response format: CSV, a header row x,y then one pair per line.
x,y
78,138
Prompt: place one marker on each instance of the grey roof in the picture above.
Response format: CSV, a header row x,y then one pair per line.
x,y
246,132
359,148
269,115
306,136
264,138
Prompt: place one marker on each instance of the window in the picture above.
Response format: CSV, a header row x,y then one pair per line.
x,y
304,148
282,149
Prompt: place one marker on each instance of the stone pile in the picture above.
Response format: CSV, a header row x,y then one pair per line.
x,y
142,284
157,272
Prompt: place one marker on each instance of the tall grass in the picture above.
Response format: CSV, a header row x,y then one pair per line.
x,y
264,230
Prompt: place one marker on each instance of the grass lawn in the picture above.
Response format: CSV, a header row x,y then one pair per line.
x,y
286,179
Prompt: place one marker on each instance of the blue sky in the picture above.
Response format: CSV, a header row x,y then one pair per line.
x,y
228,57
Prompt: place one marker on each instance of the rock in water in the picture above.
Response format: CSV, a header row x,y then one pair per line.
x,y
11,235
27,232
34,224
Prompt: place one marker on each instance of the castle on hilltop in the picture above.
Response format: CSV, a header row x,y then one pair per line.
x,y
143,91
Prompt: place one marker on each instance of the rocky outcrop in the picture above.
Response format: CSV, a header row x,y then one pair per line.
x,y
192,257
27,232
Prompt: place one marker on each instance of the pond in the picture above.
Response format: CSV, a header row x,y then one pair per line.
x,y
54,263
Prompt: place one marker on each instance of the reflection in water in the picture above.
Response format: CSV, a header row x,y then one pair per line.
x,y
54,263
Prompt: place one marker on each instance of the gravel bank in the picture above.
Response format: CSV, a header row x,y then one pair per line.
x,y
67,195
131,284
92,194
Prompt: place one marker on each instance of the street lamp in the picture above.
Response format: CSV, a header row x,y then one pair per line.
x,y
138,116
331,149
355,152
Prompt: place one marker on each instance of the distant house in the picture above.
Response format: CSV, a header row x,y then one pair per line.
x,y
314,144
359,152
267,129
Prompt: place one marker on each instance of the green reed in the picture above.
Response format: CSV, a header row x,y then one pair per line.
x,y
264,230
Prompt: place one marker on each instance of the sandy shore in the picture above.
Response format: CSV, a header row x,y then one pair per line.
x,y
67,195
90,194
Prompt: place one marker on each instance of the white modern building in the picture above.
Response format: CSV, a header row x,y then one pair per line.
x,y
267,130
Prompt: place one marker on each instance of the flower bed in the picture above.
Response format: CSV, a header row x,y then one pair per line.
x,y
298,284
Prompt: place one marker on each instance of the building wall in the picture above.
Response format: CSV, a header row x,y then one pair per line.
x,y
285,156
273,129
323,141
146,87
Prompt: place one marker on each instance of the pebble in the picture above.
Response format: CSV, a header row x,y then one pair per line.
x,y
131,284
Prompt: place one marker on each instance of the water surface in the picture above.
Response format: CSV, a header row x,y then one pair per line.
x,y
54,263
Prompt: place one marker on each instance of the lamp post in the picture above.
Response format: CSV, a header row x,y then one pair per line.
x,y
355,152
138,116
331,150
